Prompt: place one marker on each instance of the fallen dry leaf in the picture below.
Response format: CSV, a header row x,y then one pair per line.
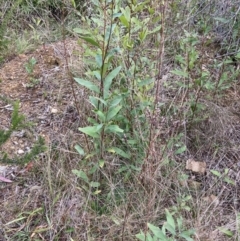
x,y
4,179
198,167
212,199
194,185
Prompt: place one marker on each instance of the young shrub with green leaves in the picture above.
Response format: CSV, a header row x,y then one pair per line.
x,y
18,122
171,230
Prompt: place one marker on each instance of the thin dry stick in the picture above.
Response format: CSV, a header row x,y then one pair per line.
x,y
151,141
105,49
148,167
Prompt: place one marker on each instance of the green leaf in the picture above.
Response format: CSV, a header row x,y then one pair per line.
x,y
116,15
170,219
226,231
79,149
94,184
149,237
99,62
229,181
97,74
123,169
81,31
238,55
119,152
179,223
216,173
124,21
145,82
108,80
87,84
113,52
141,236
101,163
180,73
101,115
143,34
155,30
110,29
169,228
91,130
112,112
115,101
222,20
113,129
127,13
80,174
90,40
93,101
187,234
73,3
181,150
157,231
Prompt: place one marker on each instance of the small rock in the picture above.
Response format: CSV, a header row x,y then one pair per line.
x,y
20,151
28,149
54,110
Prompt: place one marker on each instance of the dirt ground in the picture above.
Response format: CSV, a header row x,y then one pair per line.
x,y
45,94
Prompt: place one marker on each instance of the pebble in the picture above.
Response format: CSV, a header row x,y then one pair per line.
x,y
20,151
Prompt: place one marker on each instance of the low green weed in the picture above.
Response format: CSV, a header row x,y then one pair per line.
x,y
171,230
18,122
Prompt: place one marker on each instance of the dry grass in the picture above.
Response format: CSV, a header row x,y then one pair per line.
x,y
47,201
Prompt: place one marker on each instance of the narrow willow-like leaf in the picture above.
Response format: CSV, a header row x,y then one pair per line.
x,y
157,231
141,236
101,115
170,219
124,21
112,112
180,73
187,235
119,152
181,150
94,184
98,59
113,129
87,84
73,3
110,29
93,100
81,31
108,80
170,228
91,130
97,74
145,82
127,13
216,173
90,40
115,101
79,149
81,174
